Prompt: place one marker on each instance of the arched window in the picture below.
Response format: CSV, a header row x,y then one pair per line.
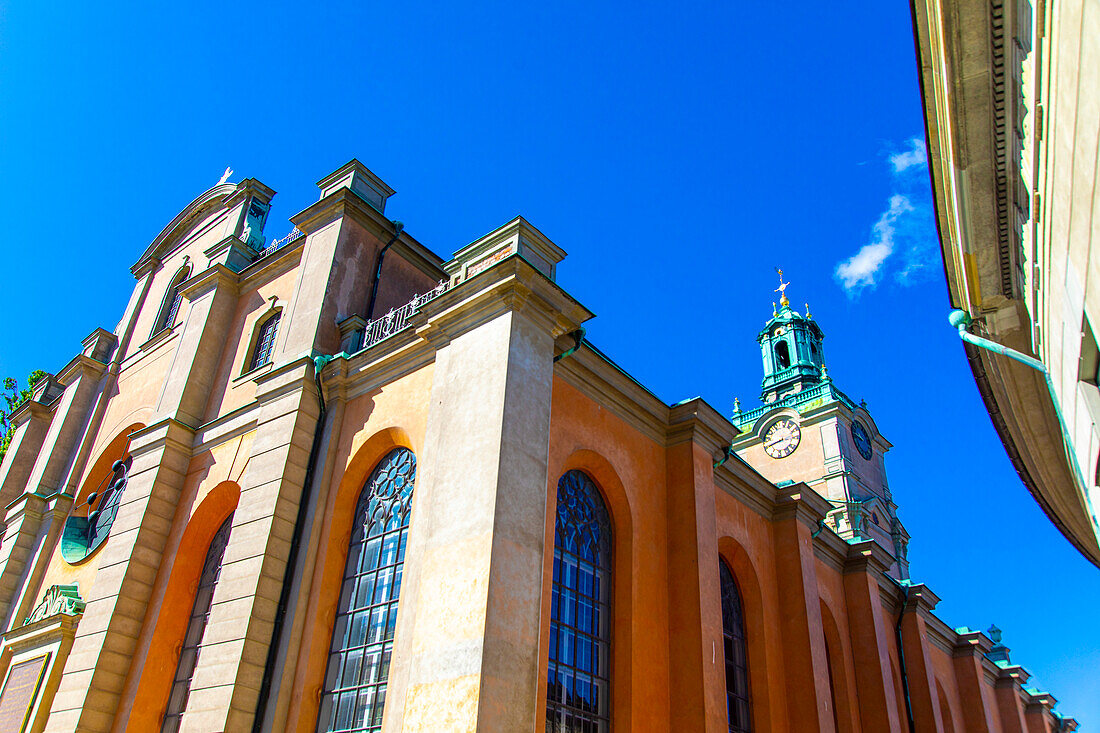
x,y
578,679
170,308
354,694
738,700
782,355
192,639
265,341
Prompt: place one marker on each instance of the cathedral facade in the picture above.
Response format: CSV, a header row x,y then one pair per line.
x,y
333,482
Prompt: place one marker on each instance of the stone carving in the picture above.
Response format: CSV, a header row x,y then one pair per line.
x,y
58,599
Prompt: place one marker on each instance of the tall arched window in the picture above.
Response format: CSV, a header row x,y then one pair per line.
x,y
782,355
265,341
354,694
170,308
578,679
738,700
192,639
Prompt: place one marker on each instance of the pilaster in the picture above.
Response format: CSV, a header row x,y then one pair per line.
x,y
227,679
697,694
1037,714
979,712
213,300
88,696
467,653
80,377
870,635
1010,704
923,696
799,511
30,425
32,525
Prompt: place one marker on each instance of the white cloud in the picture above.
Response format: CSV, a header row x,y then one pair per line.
x,y
917,155
859,270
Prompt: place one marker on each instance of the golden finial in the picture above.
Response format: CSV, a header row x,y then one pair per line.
x,y
773,309
808,316
782,290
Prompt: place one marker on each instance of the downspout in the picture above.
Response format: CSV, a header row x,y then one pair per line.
x,y
397,229
961,320
901,658
578,339
319,363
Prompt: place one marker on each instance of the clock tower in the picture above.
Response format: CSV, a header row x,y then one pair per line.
x,y
807,430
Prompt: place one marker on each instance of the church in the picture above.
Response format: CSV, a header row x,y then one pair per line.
x,y
335,482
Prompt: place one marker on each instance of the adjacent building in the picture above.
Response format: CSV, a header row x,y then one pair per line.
x,y
1013,121
333,482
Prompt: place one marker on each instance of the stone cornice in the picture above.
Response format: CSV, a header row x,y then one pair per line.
x,y
696,421
942,635
588,371
799,501
383,363
99,345
1014,675
741,481
32,409
214,277
921,597
270,266
28,504
867,556
40,633
169,432
343,202
231,252
80,366
294,376
831,549
338,204
969,643
509,285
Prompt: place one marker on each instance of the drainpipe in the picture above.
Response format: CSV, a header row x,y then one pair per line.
x,y
319,363
397,229
578,339
961,320
901,658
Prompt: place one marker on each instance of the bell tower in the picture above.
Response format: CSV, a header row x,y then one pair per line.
x,y
807,430
790,346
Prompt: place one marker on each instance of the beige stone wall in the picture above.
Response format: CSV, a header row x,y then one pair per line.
x,y
1066,225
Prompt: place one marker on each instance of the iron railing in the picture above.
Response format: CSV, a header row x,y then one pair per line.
x,y
295,235
398,318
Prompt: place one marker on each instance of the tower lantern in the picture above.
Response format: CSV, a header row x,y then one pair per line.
x,y
790,346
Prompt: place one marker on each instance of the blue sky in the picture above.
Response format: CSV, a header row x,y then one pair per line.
x,y
678,152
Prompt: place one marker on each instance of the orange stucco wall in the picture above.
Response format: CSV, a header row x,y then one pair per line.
x,y
807,627
372,425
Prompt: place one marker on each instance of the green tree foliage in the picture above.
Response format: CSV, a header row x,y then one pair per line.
x,y
14,397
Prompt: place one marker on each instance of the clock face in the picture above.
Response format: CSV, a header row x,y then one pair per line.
x,y
861,439
782,438
83,535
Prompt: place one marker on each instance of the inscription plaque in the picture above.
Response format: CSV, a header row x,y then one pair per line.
x,y
17,697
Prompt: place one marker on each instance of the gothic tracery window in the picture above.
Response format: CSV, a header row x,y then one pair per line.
x,y
354,693
196,626
578,680
738,700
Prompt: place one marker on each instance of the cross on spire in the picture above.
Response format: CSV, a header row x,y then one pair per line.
x,y
782,290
